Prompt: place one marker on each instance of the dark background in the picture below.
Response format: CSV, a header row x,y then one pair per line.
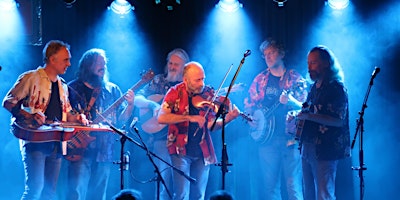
x,y
366,35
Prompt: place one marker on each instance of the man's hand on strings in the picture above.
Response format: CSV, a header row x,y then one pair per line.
x,y
130,97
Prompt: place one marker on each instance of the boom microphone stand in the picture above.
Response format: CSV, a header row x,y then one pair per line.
x,y
360,128
222,111
124,162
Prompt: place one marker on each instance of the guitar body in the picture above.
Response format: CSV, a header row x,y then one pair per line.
x,y
262,128
53,132
147,122
44,133
77,144
151,125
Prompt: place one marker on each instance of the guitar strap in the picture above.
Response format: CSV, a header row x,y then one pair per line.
x,y
95,94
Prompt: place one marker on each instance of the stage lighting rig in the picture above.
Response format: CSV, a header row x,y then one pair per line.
x,y
69,3
169,4
121,7
229,5
280,3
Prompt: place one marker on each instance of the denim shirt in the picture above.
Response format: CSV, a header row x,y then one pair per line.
x,y
103,147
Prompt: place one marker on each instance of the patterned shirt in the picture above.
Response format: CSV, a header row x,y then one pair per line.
x,y
177,100
33,90
331,142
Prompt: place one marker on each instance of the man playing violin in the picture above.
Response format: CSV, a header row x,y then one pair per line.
x,y
189,141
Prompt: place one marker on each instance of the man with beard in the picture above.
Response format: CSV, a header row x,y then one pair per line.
x,y
41,96
92,93
325,138
189,142
276,90
148,101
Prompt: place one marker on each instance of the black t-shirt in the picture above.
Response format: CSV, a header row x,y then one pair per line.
x,y
54,110
193,147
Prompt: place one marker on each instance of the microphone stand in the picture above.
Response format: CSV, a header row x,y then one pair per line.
x,y
156,169
150,154
360,129
222,112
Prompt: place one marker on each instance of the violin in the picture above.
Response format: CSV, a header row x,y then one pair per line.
x,y
204,102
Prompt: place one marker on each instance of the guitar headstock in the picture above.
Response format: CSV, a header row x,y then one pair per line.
x,y
147,75
237,87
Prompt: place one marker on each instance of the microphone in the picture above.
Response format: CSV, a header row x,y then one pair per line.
x,y
375,72
247,53
133,123
125,160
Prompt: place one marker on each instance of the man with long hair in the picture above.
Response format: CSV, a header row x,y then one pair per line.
x,y
325,137
148,101
92,93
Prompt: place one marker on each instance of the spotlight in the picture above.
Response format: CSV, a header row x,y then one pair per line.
x,y
338,4
69,3
8,5
229,5
280,2
121,7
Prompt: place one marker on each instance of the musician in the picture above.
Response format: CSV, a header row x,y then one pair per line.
x,y
189,142
278,90
326,136
32,103
148,101
92,93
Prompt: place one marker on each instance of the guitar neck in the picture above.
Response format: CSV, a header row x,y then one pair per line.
x,y
117,103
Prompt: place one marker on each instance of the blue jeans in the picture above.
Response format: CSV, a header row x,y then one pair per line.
x,y
42,164
319,175
160,149
88,179
276,160
194,167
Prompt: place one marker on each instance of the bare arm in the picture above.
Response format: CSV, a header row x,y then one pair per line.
x,y
166,117
233,114
127,112
322,119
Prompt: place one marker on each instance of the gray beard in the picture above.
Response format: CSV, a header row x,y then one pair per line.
x,y
173,78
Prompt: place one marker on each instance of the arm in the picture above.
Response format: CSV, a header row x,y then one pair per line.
x,y
165,116
230,116
127,112
143,102
333,112
76,117
322,119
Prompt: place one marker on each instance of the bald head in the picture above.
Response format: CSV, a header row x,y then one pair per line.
x,y
193,76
